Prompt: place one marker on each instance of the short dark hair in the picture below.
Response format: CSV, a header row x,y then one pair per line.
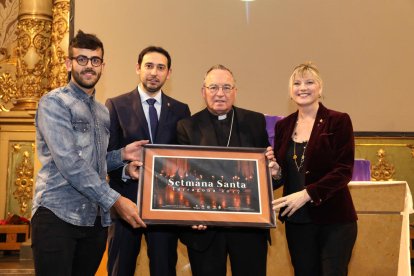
x,y
85,41
156,49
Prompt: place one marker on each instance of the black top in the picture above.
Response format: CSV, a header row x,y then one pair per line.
x,y
296,180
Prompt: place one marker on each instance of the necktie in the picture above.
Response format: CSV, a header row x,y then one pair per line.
x,y
153,117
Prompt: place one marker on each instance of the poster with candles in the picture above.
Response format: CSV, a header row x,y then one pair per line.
x,y
209,185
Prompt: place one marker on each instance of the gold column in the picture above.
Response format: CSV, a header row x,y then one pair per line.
x,y
60,42
34,34
38,59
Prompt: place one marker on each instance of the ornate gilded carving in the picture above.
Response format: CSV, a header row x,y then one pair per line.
x,y
8,91
37,36
8,40
33,41
8,25
23,192
410,146
16,148
58,51
382,170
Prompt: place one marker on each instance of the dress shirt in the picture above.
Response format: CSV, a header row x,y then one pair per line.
x,y
72,134
145,106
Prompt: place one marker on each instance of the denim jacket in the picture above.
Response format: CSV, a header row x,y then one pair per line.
x,y
72,132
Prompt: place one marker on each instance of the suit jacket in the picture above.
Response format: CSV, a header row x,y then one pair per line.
x,y
128,124
328,164
199,130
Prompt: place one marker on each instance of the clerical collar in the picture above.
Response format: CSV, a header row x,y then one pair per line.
x,y
221,117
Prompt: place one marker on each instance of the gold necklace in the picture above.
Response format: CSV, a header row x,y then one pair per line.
x,y
295,157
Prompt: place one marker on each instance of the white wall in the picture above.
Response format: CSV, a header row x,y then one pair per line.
x,y
364,50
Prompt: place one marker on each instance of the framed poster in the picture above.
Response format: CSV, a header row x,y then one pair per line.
x,y
189,185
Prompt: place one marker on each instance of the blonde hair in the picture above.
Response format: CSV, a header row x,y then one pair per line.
x,y
303,69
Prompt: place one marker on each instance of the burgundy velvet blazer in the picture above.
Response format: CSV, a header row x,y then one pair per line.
x,y
328,165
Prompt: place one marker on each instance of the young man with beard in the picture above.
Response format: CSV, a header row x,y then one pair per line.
x,y
145,113
72,198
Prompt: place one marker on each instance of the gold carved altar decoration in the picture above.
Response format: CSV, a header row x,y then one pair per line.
x,y
24,183
34,39
20,181
36,49
382,170
8,91
34,30
58,76
8,59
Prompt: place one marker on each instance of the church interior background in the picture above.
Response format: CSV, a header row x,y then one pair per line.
x,y
34,36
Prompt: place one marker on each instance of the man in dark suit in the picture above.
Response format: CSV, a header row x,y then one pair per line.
x,y
223,124
132,118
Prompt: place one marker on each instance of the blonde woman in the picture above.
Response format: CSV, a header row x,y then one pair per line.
x,y
314,148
